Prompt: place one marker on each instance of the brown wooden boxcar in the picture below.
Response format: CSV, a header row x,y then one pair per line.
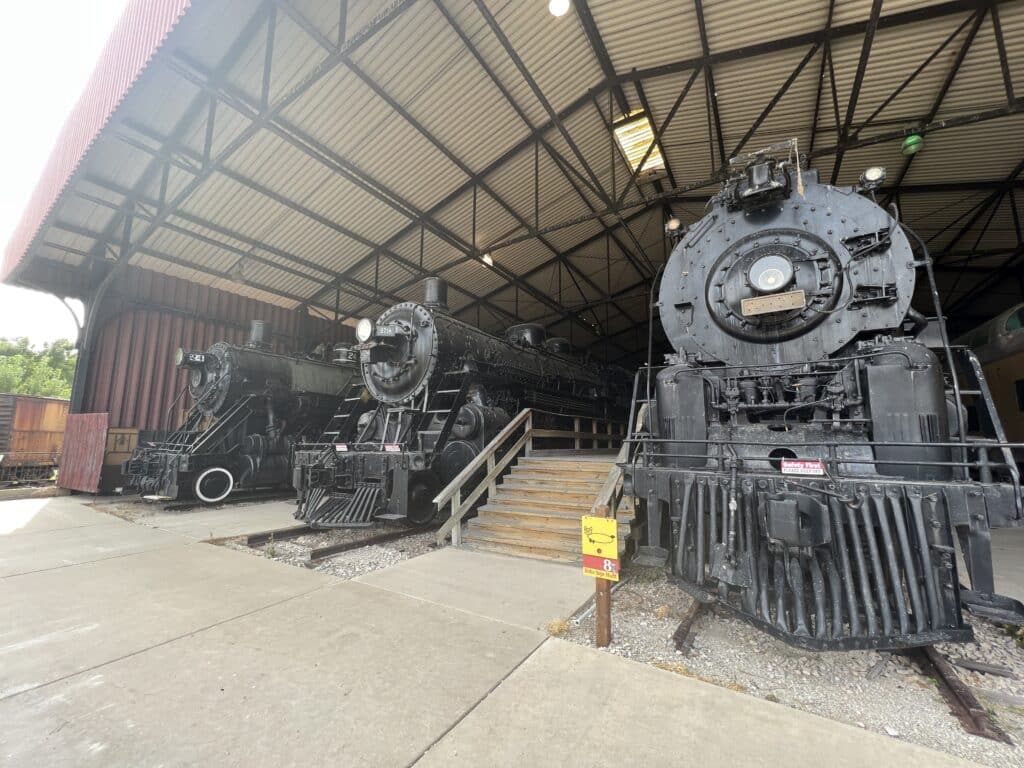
x,y
31,436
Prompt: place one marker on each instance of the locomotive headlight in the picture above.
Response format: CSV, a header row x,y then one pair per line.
x,y
364,330
770,273
872,178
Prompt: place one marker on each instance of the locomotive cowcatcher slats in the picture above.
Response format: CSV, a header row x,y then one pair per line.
x,y
351,510
876,584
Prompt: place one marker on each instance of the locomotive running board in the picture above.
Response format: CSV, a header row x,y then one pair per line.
x,y
347,510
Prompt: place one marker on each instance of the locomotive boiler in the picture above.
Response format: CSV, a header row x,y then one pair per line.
x,y
436,391
805,459
249,407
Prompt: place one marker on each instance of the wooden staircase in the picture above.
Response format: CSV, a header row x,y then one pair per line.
x,y
535,510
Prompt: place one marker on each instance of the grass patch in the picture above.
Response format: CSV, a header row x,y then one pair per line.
x,y
558,627
682,669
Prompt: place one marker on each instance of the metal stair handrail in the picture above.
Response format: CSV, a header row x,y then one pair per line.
x,y
452,493
607,502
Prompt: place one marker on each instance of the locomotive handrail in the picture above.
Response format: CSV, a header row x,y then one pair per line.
x,y
608,498
452,493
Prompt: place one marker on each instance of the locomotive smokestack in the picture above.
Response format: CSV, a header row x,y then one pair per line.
x,y
257,335
435,293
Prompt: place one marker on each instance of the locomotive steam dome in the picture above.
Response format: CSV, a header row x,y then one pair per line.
x,y
773,275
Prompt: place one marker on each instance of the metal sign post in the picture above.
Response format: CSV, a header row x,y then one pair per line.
x,y
601,560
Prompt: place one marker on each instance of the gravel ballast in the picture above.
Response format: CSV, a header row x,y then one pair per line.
x,y
895,699
345,565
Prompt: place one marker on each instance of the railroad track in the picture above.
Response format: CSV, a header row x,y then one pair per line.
x,y
317,554
962,703
246,497
961,700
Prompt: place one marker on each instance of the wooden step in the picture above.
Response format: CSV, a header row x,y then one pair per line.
x,y
562,465
554,493
539,481
559,541
565,526
593,470
540,502
540,517
519,538
502,530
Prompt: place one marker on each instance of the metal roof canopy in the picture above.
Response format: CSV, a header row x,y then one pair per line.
x,y
331,154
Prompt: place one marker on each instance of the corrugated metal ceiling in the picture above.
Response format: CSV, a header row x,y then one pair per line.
x,y
380,152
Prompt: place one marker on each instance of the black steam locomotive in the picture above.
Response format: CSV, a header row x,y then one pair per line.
x,y
436,391
806,459
250,406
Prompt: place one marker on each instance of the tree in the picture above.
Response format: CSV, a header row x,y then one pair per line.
x,y
48,371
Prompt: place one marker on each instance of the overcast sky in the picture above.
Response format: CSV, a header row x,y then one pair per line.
x,y
47,52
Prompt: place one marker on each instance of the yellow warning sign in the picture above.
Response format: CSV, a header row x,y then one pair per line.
x,y
601,547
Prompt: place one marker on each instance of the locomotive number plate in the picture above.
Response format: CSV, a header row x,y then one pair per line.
x,y
778,302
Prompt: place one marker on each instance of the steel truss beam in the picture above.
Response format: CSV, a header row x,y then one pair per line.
x,y
311,147
553,116
714,180
837,32
331,160
561,164
324,67
775,99
954,70
251,254
825,52
574,274
709,84
192,111
858,80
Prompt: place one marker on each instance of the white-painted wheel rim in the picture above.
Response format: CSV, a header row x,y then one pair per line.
x,y
228,485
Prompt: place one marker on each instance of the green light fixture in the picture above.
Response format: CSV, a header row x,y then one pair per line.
x,y
912,144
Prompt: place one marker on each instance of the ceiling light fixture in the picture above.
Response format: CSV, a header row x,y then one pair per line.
x,y
558,7
635,135
486,259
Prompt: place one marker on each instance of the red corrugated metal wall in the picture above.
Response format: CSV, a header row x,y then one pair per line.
x,y
132,375
85,439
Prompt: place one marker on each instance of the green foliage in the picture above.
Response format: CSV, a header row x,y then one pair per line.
x,y
25,370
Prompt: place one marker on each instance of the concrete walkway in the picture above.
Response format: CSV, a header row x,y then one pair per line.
x,y
223,522
138,646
